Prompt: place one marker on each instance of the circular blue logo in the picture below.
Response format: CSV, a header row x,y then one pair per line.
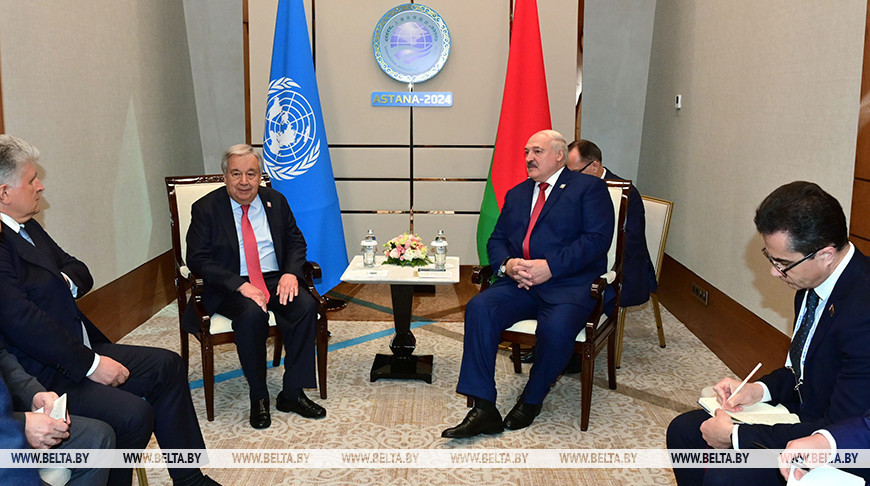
x,y
411,43
291,145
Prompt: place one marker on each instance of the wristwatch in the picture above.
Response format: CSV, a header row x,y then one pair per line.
x,y
502,270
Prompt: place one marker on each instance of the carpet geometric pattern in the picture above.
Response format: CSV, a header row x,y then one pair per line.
x,y
653,386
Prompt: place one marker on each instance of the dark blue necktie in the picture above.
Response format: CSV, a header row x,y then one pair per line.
x,y
800,339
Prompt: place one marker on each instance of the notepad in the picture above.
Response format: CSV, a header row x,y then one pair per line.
x,y
755,414
825,475
58,411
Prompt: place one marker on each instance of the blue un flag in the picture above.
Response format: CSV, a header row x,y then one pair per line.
x,y
295,151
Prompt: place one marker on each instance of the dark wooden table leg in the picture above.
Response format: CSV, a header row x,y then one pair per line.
x,y
402,364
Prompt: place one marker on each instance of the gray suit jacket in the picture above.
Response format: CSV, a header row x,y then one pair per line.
x,y
22,386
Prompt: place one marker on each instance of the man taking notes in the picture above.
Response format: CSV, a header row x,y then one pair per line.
x,y
826,377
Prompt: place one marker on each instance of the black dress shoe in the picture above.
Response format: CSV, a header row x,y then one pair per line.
x,y
521,416
335,304
301,405
260,418
529,357
478,421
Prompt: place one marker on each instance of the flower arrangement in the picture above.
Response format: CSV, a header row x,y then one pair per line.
x,y
406,250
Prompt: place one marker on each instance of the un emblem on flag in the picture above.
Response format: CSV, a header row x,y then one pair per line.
x,y
291,145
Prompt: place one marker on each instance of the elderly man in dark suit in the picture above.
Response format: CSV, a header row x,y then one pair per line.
x,y
825,378
44,432
56,343
244,242
638,273
549,243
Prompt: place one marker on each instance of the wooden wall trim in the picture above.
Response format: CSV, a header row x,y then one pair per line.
x,y
246,46
859,224
123,304
737,336
2,127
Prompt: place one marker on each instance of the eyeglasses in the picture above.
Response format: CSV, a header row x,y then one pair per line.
x,y
585,166
783,269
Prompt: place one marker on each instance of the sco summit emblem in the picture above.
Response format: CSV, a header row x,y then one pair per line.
x,y
411,43
292,145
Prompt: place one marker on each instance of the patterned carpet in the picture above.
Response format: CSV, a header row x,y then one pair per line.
x,y
654,385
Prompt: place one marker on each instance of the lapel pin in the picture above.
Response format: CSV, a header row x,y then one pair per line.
x,y
268,204
831,310
562,186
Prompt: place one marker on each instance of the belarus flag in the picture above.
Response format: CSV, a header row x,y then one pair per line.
x,y
525,109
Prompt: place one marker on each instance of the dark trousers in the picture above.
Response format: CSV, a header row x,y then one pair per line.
x,y
155,398
499,307
684,432
296,320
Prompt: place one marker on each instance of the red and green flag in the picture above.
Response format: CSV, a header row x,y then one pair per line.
x,y
525,109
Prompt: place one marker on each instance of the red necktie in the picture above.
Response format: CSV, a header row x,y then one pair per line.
x,y
252,253
539,205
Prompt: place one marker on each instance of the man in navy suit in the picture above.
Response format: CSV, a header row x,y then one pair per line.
x,y
638,272
827,374
550,242
56,343
216,250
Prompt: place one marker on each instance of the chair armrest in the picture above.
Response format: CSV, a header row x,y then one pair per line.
x,y
598,286
482,276
311,270
196,285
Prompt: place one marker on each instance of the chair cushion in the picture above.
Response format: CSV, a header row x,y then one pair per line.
x,y
221,324
529,326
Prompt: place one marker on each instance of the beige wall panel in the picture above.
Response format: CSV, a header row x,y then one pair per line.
x,y
460,230
462,163
474,72
347,74
448,195
558,21
261,33
385,227
374,195
104,89
761,82
370,162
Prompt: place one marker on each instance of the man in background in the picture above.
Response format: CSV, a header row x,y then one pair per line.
x,y
638,272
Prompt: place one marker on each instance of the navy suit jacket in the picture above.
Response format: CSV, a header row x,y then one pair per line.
x,y
213,246
638,272
573,233
853,433
837,368
39,318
